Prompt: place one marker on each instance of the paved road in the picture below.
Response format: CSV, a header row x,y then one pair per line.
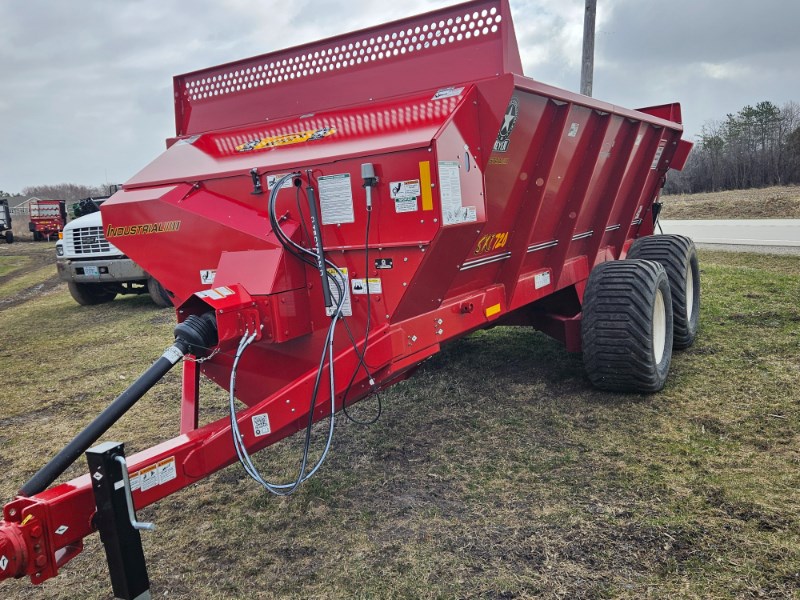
x,y
780,236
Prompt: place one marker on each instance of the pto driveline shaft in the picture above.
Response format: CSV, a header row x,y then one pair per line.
x,y
113,412
195,335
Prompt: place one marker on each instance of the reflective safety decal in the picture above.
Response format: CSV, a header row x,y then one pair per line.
x,y
493,310
297,137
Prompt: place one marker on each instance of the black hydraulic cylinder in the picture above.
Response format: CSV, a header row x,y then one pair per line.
x,y
316,231
113,412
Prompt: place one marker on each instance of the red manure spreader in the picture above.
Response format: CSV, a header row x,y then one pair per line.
x,y
326,217
47,218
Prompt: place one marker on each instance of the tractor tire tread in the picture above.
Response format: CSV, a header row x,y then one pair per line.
x,y
676,253
616,328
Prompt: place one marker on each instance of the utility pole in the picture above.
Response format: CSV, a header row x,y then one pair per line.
x,y
587,64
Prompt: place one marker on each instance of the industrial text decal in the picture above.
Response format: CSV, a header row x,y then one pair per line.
x,y
145,228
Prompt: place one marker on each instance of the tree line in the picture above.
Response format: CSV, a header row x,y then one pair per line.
x,y
758,146
71,192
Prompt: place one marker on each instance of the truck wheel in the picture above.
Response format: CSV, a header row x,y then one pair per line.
x,y
9,237
158,294
626,327
87,294
678,256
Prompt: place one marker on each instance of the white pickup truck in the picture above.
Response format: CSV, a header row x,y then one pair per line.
x,y
96,271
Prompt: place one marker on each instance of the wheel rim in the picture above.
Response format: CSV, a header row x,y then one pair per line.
x,y
689,293
659,327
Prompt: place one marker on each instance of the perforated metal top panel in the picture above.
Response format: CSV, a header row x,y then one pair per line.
x,y
463,43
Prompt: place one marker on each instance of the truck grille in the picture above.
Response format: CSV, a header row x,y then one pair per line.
x,y
86,240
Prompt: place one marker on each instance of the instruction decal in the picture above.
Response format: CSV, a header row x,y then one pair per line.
x,y
450,190
405,204
336,199
347,307
509,121
384,263
541,279
207,276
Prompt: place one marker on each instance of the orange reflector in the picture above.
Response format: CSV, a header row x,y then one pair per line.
x,y
493,310
425,185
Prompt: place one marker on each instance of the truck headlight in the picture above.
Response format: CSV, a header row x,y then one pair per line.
x,y
59,250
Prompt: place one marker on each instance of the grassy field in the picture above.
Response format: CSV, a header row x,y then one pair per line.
x,y
496,472
779,202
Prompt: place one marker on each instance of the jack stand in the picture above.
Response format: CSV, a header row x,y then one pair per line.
x,y
116,521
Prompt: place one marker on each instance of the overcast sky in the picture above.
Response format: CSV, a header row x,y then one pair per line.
x,y
86,86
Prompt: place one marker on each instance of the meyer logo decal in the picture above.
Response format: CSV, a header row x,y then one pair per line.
x,y
509,120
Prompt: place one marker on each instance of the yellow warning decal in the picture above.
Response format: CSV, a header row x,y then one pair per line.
x,y
493,310
296,137
425,185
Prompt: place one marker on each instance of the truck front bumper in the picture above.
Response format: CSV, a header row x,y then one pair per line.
x,y
118,270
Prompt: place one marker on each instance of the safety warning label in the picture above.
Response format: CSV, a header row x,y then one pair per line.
x,y
154,475
273,179
402,189
374,284
347,309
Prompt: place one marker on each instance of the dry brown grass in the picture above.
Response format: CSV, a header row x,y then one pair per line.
x,y
496,472
779,202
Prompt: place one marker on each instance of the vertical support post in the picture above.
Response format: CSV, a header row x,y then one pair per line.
x,y
587,62
190,396
122,542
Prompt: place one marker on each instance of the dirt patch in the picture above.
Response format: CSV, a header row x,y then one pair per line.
x,y
34,257
29,293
